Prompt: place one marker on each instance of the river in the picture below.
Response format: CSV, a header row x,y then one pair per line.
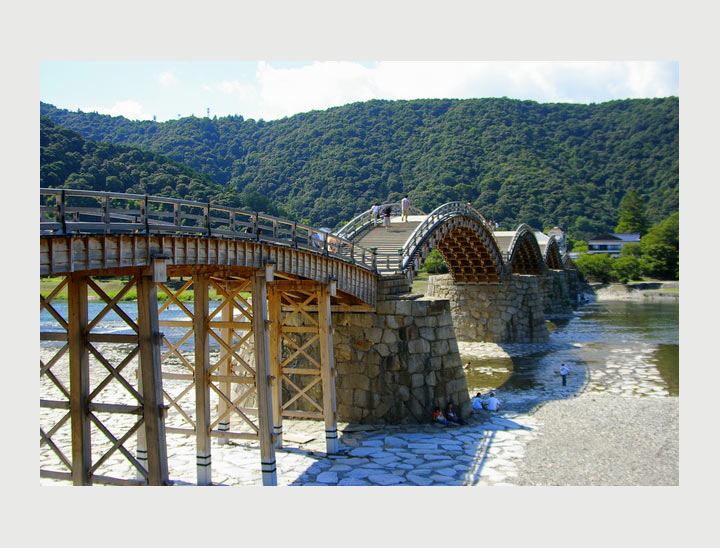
x,y
617,347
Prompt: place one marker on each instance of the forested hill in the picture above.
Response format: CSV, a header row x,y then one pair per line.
x,y
68,160
518,161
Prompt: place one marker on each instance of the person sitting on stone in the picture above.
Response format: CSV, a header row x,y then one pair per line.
x,y
493,404
478,403
439,417
451,415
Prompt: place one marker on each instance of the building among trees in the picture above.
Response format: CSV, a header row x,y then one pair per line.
x,y
611,243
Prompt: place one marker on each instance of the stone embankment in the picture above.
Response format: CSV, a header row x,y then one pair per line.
x,y
645,291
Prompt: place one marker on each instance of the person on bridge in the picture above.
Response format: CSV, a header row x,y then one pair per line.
x,y
375,212
405,206
386,217
493,404
564,372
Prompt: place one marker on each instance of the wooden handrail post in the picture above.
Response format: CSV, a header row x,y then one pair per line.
x,y
206,214
143,214
176,216
373,250
106,214
61,210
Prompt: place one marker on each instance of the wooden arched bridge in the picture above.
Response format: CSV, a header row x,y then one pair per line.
x,y
167,366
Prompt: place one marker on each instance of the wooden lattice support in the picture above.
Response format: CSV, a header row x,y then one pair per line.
x,y
300,299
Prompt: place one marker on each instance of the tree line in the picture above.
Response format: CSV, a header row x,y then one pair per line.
x,y
546,165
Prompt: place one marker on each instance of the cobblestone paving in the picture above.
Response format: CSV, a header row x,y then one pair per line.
x,y
488,451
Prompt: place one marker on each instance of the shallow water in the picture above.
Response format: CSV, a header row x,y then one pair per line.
x,y
112,322
623,348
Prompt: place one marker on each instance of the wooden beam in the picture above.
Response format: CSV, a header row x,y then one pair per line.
x,y
327,360
226,366
275,349
202,390
79,378
151,374
262,371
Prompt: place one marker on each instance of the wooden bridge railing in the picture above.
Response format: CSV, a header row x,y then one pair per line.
x,y
438,216
70,211
365,220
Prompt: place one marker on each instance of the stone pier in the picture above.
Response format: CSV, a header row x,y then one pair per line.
x,y
511,311
394,364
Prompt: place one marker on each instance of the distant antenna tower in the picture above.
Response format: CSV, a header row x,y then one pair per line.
x,y
208,112
178,115
154,118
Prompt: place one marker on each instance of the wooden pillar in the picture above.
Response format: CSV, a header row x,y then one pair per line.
x,y
79,379
141,451
327,359
226,370
202,388
149,340
274,312
262,372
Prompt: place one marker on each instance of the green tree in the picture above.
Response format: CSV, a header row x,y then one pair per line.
x,y
580,246
632,214
625,269
631,250
435,264
596,267
660,261
666,232
584,228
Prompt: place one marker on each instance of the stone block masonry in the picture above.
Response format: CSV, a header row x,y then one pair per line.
x,y
401,367
511,311
394,364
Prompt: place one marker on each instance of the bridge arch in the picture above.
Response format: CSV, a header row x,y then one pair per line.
x,y
524,253
464,240
552,257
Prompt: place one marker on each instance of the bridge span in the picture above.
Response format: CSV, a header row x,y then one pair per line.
x,y
263,348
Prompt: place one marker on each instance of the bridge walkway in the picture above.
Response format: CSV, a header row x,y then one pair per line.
x,y
389,240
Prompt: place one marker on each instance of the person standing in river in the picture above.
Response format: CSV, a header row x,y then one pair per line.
x,y
564,371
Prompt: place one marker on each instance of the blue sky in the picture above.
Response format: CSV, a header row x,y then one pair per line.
x,y
272,90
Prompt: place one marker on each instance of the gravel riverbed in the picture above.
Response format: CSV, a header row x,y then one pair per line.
x,y
604,439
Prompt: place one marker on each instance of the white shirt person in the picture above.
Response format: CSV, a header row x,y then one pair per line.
x,y
493,404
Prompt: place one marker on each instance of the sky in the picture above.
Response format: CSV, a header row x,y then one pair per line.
x,y
273,90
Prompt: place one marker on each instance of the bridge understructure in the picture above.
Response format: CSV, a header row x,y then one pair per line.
x,y
284,322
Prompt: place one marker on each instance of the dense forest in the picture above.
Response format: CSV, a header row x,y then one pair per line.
x,y
517,161
68,160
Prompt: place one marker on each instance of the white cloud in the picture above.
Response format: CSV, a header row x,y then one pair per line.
x,y
129,109
287,91
167,78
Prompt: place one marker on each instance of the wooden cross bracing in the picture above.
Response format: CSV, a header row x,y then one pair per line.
x,y
233,328
92,361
